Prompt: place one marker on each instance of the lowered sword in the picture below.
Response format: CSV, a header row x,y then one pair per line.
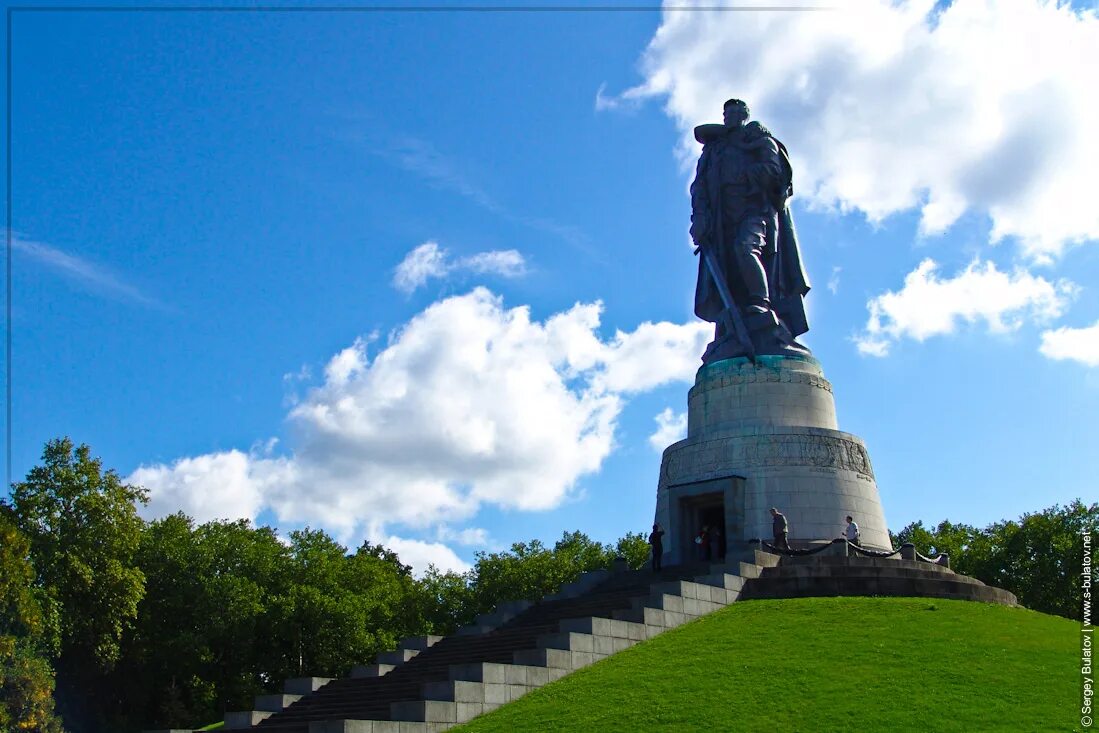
x,y
734,324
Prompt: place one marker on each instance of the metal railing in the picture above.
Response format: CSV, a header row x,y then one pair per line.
x,y
907,551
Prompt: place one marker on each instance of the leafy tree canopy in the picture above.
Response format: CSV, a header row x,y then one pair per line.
x,y
1037,557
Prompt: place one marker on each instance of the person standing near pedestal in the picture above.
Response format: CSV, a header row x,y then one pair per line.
x,y
780,529
656,542
852,532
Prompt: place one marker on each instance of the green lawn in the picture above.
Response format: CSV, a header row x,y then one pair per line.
x,y
856,665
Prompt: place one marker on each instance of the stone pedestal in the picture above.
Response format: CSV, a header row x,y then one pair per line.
x,y
760,436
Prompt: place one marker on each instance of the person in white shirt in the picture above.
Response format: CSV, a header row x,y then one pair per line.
x,y
852,532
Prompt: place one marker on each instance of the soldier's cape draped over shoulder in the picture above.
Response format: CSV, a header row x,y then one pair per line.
x,y
786,277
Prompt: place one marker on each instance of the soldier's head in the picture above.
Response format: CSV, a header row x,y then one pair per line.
x,y
736,113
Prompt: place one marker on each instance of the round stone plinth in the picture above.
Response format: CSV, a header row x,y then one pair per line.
x,y
760,436
816,477
735,394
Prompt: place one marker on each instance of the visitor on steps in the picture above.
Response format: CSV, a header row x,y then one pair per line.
x,y
656,541
716,552
780,529
852,532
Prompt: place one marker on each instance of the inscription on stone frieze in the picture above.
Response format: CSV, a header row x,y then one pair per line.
x,y
820,452
769,376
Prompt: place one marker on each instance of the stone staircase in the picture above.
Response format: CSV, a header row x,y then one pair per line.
x,y
433,683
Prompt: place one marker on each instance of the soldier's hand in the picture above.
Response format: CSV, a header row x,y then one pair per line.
x,y
698,230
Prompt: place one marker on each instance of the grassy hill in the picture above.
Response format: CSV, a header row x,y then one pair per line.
x,y
825,664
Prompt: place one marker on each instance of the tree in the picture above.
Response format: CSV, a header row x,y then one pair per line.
x,y
1037,557
207,637
83,529
531,570
444,601
635,548
961,542
232,610
343,609
26,633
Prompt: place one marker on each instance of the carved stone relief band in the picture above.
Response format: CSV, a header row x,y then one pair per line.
x,y
761,375
761,451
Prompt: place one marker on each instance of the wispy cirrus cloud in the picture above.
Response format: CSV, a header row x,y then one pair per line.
x,y
429,261
423,159
93,277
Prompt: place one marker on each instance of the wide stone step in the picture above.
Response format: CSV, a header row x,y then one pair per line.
x,y
853,561
727,581
419,643
438,711
504,674
712,592
373,726
859,571
883,585
396,657
567,640
493,693
244,719
597,626
372,670
304,685
275,703
743,569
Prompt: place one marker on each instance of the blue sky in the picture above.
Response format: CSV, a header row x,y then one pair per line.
x,y
424,278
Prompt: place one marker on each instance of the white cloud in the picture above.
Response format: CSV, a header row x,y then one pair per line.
x,y
470,403
834,280
670,427
506,263
469,536
1076,344
630,99
930,306
653,354
346,364
226,485
983,105
420,265
302,375
430,261
421,554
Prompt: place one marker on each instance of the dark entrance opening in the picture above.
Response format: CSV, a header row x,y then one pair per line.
x,y
713,517
704,512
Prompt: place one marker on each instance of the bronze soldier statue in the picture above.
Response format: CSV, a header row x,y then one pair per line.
x,y
750,278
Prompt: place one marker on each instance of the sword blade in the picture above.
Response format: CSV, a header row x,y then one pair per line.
x,y
731,315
